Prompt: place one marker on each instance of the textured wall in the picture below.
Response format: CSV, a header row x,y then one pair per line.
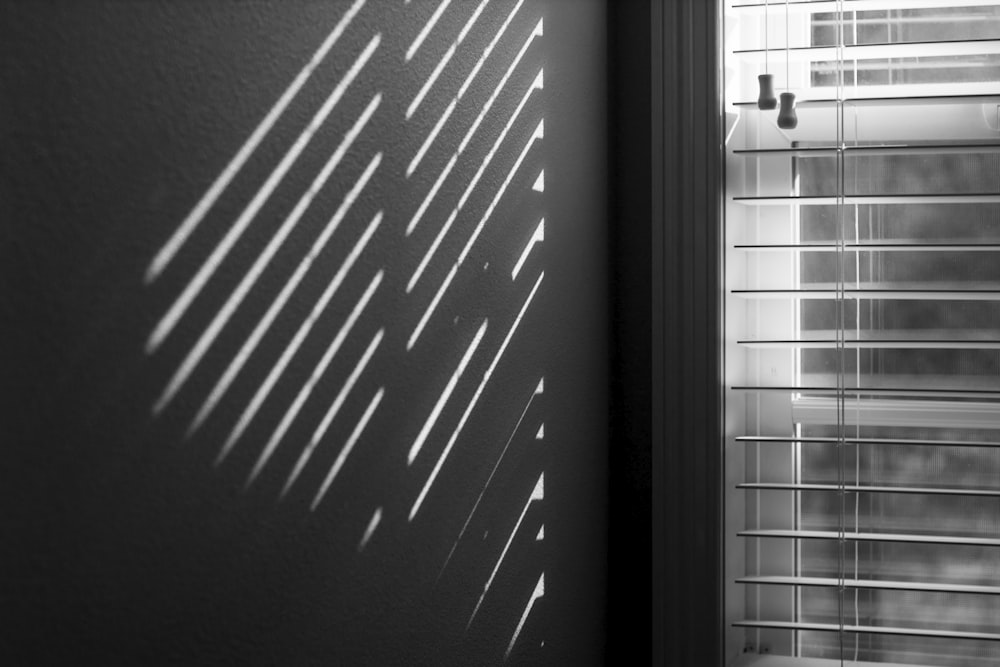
x,y
304,321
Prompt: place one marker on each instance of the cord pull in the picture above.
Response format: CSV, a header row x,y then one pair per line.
x,y
766,99
787,119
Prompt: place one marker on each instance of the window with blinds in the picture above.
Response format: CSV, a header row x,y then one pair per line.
x,y
863,333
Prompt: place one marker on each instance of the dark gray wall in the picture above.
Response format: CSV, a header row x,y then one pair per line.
x,y
128,539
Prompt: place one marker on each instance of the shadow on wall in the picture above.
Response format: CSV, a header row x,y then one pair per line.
x,y
313,401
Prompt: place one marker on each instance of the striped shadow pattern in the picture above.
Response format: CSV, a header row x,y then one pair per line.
x,y
342,305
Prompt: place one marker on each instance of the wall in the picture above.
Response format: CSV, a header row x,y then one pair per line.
x,y
275,391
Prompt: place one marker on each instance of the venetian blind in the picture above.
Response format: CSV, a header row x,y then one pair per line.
x,y
863,331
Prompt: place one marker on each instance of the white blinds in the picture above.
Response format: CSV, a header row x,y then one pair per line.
x,y
863,332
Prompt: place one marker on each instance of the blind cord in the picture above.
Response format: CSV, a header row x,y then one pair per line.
x,y
788,83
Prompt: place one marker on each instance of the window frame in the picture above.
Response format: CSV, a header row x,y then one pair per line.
x,y
686,184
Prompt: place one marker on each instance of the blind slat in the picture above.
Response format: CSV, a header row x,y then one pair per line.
x,y
855,488
904,99
851,198
827,582
871,629
927,49
906,442
850,536
799,6
877,344
886,149
874,247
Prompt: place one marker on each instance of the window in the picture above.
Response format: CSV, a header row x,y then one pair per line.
x,y
863,333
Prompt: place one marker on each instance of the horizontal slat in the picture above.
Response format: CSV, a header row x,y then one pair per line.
x,y
882,149
892,294
889,344
919,411
873,247
906,442
889,100
871,629
865,488
928,49
826,582
817,6
910,538
832,200
975,336
878,391
797,152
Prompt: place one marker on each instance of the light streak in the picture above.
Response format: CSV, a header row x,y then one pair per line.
x,y
537,237
370,530
222,317
445,395
538,493
538,592
195,285
461,92
338,403
537,84
236,365
493,472
539,133
449,54
352,439
472,403
410,52
207,201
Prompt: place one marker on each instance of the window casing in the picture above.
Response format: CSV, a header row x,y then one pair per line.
x,y
862,339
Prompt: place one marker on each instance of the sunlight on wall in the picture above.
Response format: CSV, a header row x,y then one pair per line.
x,y
361,314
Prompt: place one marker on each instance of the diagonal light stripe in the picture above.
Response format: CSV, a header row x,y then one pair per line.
x,y
293,410
496,466
195,285
449,54
424,147
345,452
236,365
461,92
538,592
445,395
425,318
539,133
194,218
279,368
539,185
410,52
537,84
430,195
293,346
537,237
475,399
222,317
370,530
538,493
538,31
338,403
